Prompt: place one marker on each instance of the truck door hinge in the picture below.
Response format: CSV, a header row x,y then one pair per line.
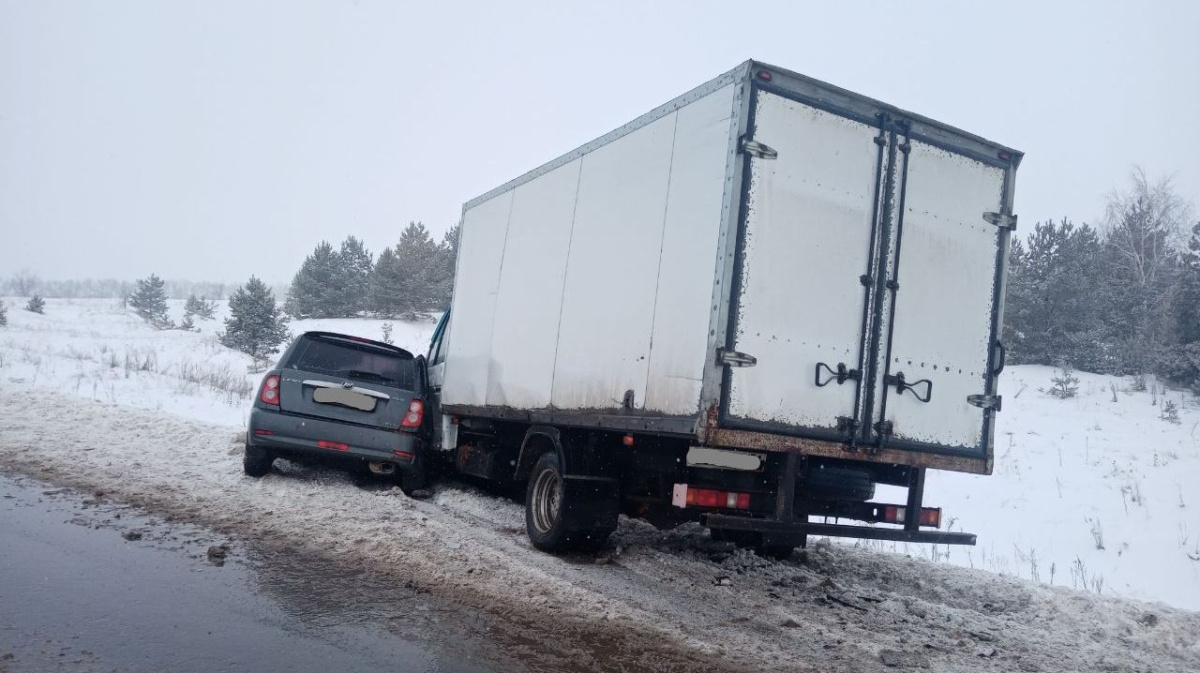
x,y
985,401
884,428
756,149
732,358
847,425
1003,220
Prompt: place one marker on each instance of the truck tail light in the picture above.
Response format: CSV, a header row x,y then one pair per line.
x,y
269,394
690,496
931,517
414,415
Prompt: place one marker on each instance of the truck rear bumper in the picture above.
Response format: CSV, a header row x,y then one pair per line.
x,y
795,533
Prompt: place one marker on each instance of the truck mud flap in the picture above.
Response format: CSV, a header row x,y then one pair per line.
x,y
590,502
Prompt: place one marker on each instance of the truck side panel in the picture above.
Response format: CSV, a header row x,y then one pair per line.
x,y
529,297
475,281
595,277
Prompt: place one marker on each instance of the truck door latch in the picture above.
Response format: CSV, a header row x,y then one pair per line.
x,y
902,385
985,401
1003,220
756,149
841,374
732,358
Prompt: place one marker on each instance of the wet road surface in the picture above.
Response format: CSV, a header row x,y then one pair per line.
x,y
87,585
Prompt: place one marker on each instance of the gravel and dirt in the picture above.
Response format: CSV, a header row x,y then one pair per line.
x,y
652,600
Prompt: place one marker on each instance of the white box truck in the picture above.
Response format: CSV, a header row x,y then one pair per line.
x,y
746,307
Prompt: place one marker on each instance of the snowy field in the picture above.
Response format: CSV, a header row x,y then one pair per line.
x,y
1088,494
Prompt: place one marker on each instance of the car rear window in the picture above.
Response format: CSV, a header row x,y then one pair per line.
x,y
352,360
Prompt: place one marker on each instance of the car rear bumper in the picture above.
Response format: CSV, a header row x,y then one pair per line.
x,y
286,433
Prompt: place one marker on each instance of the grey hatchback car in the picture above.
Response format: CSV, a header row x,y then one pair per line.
x,y
342,397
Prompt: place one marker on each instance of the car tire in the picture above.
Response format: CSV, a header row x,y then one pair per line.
x,y
257,461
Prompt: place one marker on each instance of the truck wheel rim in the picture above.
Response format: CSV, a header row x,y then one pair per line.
x,y
547,497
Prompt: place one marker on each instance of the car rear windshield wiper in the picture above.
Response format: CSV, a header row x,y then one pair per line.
x,y
366,376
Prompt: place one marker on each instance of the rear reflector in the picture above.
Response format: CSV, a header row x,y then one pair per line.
x,y
336,446
931,517
403,454
263,433
687,496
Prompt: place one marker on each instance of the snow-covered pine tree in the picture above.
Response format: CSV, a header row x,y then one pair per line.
x,y
191,307
1187,308
36,305
387,285
3,314
418,256
256,325
447,255
314,292
149,301
353,277
206,309
1052,312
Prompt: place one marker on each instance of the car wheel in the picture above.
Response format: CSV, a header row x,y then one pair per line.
x,y
257,461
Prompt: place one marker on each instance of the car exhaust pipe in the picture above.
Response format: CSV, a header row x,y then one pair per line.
x,y
377,467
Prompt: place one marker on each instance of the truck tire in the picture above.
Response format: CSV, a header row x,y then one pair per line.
x,y
256,462
545,499
838,483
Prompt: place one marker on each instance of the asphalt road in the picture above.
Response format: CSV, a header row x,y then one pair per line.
x,y
87,585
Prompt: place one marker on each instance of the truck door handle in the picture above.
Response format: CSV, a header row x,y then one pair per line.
x,y
1003,357
903,385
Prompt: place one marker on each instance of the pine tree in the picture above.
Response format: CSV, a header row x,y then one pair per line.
x,y
36,305
447,256
418,257
191,307
352,279
3,314
1052,313
314,292
387,285
206,308
1187,314
150,301
256,326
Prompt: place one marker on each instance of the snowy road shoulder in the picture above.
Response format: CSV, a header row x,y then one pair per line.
x,y
673,599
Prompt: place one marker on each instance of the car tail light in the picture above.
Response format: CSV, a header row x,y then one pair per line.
x,y
414,415
689,496
270,389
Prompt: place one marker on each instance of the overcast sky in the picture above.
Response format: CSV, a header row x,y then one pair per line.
x,y
212,140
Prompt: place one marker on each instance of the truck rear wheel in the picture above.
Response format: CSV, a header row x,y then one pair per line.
x,y
546,497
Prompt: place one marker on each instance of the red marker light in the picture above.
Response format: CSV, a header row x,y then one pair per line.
x,y
764,75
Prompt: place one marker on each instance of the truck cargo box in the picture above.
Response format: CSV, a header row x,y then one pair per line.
x,y
766,262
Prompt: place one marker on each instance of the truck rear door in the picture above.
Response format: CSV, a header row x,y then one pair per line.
x,y
867,284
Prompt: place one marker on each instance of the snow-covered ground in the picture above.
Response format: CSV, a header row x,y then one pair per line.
x,y
158,425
